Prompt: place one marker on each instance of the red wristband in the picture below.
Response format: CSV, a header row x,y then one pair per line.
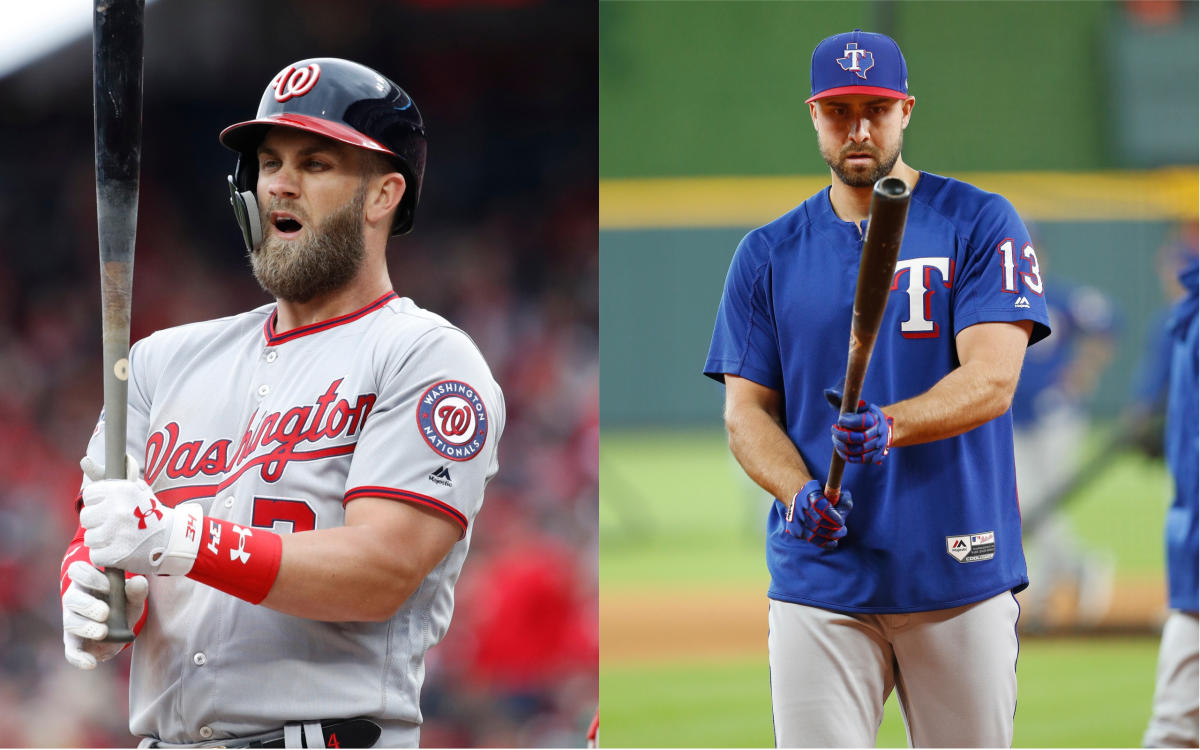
x,y
238,560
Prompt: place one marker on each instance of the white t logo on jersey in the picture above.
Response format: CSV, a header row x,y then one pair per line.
x,y
920,324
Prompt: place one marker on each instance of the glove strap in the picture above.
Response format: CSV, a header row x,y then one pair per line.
x,y
183,544
239,560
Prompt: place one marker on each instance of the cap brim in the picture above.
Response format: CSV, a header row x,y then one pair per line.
x,y
865,90
245,136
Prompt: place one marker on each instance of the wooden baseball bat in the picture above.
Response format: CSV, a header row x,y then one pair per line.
x,y
877,266
117,95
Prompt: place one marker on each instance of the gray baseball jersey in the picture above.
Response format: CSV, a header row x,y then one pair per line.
x,y
281,432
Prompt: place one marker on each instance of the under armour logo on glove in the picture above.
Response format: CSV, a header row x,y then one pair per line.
x,y
142,515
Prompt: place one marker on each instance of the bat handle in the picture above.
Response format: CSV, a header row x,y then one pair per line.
x,y
833,484
118,624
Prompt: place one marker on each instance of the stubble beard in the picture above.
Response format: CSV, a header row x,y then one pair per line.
x,y
859,177
324,259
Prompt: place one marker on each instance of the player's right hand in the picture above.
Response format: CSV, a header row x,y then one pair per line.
x,y
85,614
814,519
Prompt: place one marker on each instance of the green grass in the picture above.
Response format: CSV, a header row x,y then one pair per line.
x,y
1072,693
676,508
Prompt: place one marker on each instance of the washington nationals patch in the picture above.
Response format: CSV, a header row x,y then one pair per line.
x,y
453,419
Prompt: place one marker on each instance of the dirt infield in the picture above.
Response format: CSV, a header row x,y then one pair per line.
x,y
708,623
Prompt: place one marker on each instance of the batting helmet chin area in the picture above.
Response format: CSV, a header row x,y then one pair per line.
x,y
336,99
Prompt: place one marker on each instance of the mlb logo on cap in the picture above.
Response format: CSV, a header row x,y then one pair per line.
x,y
858,62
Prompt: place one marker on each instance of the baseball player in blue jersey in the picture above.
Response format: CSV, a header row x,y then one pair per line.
x,y
909,581
304,477
1050,422
1175,721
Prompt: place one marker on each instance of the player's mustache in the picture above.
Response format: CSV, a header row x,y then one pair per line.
x,y
285,205
859,151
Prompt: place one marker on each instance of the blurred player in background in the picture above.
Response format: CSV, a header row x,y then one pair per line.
x,y
1175,720
1050,424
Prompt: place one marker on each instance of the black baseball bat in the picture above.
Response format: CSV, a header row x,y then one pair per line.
x,y
117,96
877,266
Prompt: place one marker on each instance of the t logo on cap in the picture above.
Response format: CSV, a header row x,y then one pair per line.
x,y
850,61
840,64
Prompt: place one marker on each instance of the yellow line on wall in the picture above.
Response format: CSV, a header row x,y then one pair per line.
x,y
1171,193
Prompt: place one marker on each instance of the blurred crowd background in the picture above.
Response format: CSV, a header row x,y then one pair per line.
x,y
504,246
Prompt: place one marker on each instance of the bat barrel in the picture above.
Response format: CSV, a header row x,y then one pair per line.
x,y
117,33
881,248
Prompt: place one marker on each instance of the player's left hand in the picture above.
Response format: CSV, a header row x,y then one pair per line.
x,y
862,436
127,527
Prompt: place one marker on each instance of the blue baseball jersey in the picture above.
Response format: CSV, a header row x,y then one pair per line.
x,y
1076,312
1183,450
936,525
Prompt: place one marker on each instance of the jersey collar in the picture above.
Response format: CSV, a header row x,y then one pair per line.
x,y
274,339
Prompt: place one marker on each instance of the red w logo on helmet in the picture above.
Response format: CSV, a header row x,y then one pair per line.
x,y
292,81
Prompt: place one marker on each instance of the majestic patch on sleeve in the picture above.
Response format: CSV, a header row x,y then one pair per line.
x,y
453,420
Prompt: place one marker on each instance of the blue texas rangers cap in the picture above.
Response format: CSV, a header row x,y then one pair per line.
x,y
858,62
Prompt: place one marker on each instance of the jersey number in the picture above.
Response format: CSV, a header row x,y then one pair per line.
x,y
269,512
1032,279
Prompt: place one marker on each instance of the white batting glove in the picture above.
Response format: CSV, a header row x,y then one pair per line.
x,y
127,527
85,614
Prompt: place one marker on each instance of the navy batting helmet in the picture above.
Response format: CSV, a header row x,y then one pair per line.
x,y
337,99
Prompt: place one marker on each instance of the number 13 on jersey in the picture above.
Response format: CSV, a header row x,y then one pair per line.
x,y
1032,278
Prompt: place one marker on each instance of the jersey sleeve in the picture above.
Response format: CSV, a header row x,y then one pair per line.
x,y
744,339
431,438
999,278
137,419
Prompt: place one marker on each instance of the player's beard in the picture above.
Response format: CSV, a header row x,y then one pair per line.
x,y
318,262
860,177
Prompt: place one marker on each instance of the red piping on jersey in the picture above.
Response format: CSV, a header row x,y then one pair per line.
x,y
413,497
295,333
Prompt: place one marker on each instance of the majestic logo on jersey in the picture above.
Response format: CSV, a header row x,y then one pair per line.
x,y
453,420
441,475
972,547
281,433
292,82
1022,302
857,61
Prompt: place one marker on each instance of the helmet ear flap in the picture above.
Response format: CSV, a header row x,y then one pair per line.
x,y
245,210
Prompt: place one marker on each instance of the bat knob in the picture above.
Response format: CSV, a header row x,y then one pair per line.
x,y
891,187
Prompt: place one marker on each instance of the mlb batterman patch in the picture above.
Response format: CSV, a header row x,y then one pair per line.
x,y
972,547
453,419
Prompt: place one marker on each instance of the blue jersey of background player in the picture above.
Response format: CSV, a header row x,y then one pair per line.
x,y
1183,453
1173,722
1050,378
783,322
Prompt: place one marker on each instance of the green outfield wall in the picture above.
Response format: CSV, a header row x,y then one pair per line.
x,y
718,88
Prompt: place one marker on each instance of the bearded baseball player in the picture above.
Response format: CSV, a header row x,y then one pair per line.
x,y
303,477
908,581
